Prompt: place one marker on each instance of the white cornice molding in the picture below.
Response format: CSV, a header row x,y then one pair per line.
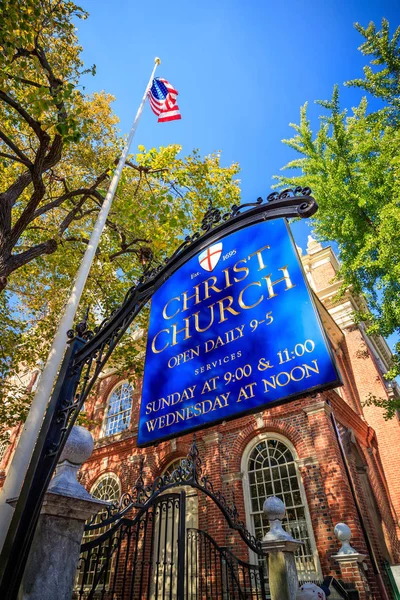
x,y
321,257
342,310
379,348
309,461
232,477
332,329
212,438
318,407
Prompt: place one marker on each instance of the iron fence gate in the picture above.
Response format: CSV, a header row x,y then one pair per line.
x,y
154,557
143,548
213,571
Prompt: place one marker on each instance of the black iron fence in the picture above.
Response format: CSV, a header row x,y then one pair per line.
x,y
213,571
154,557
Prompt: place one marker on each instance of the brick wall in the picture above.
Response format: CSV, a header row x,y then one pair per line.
x,y
368,381
370,443
306,424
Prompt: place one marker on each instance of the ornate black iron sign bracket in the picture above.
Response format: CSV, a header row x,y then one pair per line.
x,y
89,352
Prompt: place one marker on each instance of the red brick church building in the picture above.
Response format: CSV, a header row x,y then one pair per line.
x,y
324,474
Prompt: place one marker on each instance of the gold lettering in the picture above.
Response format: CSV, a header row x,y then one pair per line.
x,y
164,312
208,287
284,382
259,257
186,297
196,319
153,343
175,331
309,368
168,420
227,278
218,404
246,392
271,384
181,415
223,308
151,425
240,299
264,364
210,404
238,270
210,385
218,401
292,377
286,278
219,342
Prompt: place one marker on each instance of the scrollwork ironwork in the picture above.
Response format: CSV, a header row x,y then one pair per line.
x,y
190,472
100,344
89,352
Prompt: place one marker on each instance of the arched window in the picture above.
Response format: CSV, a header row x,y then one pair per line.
x,y
119,406
107,487
270,470
3,447
172,466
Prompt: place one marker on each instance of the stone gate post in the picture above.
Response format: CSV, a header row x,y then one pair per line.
x,y
351,562
280,547
53,559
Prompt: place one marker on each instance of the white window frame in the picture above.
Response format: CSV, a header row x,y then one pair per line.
x,y
3,449
105,418
172,462
108,475
262,437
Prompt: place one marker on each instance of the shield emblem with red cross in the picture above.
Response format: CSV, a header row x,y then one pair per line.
x,y
209,258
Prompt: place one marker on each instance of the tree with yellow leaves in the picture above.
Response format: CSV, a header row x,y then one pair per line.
x,y
58,148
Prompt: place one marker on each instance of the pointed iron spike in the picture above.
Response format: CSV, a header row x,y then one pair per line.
x,y
141,464
140,481
192,448
85,318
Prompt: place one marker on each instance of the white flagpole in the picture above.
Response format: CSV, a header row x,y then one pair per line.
x,y
30,432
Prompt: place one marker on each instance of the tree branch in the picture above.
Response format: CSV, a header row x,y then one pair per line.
x,y
142,169
18,260
11,195
11,157
31,122
127,248
27,81
55,83
22,157
75,239
56,203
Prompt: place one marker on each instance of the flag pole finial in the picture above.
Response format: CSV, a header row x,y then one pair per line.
x,y
157,60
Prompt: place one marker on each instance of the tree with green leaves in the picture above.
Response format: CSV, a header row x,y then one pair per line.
x,y
352,164
58,148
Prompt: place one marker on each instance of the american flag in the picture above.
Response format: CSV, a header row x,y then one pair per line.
x,y
162,97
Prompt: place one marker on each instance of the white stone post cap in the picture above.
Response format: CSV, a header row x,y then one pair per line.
x,y
275,510
78,447
343,534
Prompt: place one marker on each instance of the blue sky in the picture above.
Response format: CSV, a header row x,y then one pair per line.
x,y
242,69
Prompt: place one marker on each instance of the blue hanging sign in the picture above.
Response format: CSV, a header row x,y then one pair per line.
x,y
233,331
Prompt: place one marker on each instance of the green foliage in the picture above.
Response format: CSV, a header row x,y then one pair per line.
x,y
352,164
58,148
383,83
389,405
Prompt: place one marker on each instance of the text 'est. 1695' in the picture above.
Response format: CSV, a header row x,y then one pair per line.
x,y
233,331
